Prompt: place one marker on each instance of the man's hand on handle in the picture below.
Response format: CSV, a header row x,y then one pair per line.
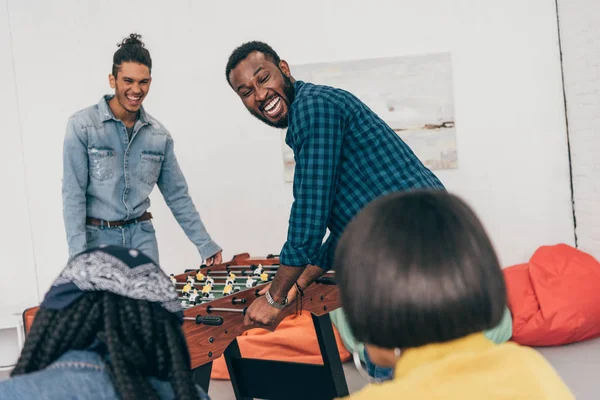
x,y
260,312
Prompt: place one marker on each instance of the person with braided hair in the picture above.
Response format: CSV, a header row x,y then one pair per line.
x,y
114,154
109,328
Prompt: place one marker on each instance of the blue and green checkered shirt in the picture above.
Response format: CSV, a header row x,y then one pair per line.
x,y
346,156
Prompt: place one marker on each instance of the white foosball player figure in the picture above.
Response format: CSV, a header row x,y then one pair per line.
x,y
173,280
250,282
258,270
209,281
191,280
193,296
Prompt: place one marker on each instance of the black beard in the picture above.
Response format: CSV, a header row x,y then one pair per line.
x,y
290,94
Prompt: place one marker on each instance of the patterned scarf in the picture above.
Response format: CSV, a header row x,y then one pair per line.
x,y
119,270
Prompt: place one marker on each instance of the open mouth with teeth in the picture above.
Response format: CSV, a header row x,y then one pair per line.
x,y
134,100
274,107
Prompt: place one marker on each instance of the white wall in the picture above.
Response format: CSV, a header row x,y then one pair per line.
x,y
18,287
509,107
18,281
580,36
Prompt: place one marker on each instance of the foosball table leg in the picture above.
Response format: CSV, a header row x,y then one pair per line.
x,y
275,380
233,353
330,353
201,375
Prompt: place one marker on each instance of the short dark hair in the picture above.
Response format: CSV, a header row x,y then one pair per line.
x,y
131,49
416,268
240,54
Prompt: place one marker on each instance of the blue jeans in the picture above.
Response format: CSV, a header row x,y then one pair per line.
x,y
140,236
376,371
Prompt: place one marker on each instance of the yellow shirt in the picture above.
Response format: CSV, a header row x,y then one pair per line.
x,y
470,368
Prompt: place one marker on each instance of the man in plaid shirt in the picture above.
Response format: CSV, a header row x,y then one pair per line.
x,y
346,156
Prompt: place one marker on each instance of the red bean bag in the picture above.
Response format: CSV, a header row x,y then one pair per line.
x,y
555,298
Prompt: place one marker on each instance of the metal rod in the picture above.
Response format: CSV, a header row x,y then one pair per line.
x,y
250,266
244,271
202,299
226,310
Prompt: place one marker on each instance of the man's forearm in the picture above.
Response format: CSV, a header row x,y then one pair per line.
x,y
284,279
311,273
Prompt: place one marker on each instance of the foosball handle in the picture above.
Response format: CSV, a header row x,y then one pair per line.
x,y
213,320
326,280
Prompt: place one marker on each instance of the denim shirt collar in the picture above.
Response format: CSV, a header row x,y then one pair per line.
x,y
106,113
86,359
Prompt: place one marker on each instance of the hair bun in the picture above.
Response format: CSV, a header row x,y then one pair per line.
x,y
132,40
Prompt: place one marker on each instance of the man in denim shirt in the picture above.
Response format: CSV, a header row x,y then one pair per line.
x,y
114,154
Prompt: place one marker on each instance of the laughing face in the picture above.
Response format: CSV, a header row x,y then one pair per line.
x,y
266,89
131,85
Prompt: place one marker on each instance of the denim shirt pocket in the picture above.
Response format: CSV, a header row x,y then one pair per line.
x,y
150,166
101,163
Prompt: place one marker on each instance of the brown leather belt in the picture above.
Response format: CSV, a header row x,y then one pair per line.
x,y
109,224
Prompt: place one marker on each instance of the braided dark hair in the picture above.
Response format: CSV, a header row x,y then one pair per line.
x,y
131,49
142,340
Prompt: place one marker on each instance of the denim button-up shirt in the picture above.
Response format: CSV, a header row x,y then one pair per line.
x,y
77,374
107,176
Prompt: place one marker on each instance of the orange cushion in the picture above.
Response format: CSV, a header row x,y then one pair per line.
x,y
294,340
555,298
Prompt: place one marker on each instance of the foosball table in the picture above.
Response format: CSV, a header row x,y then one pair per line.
x,y
215,300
